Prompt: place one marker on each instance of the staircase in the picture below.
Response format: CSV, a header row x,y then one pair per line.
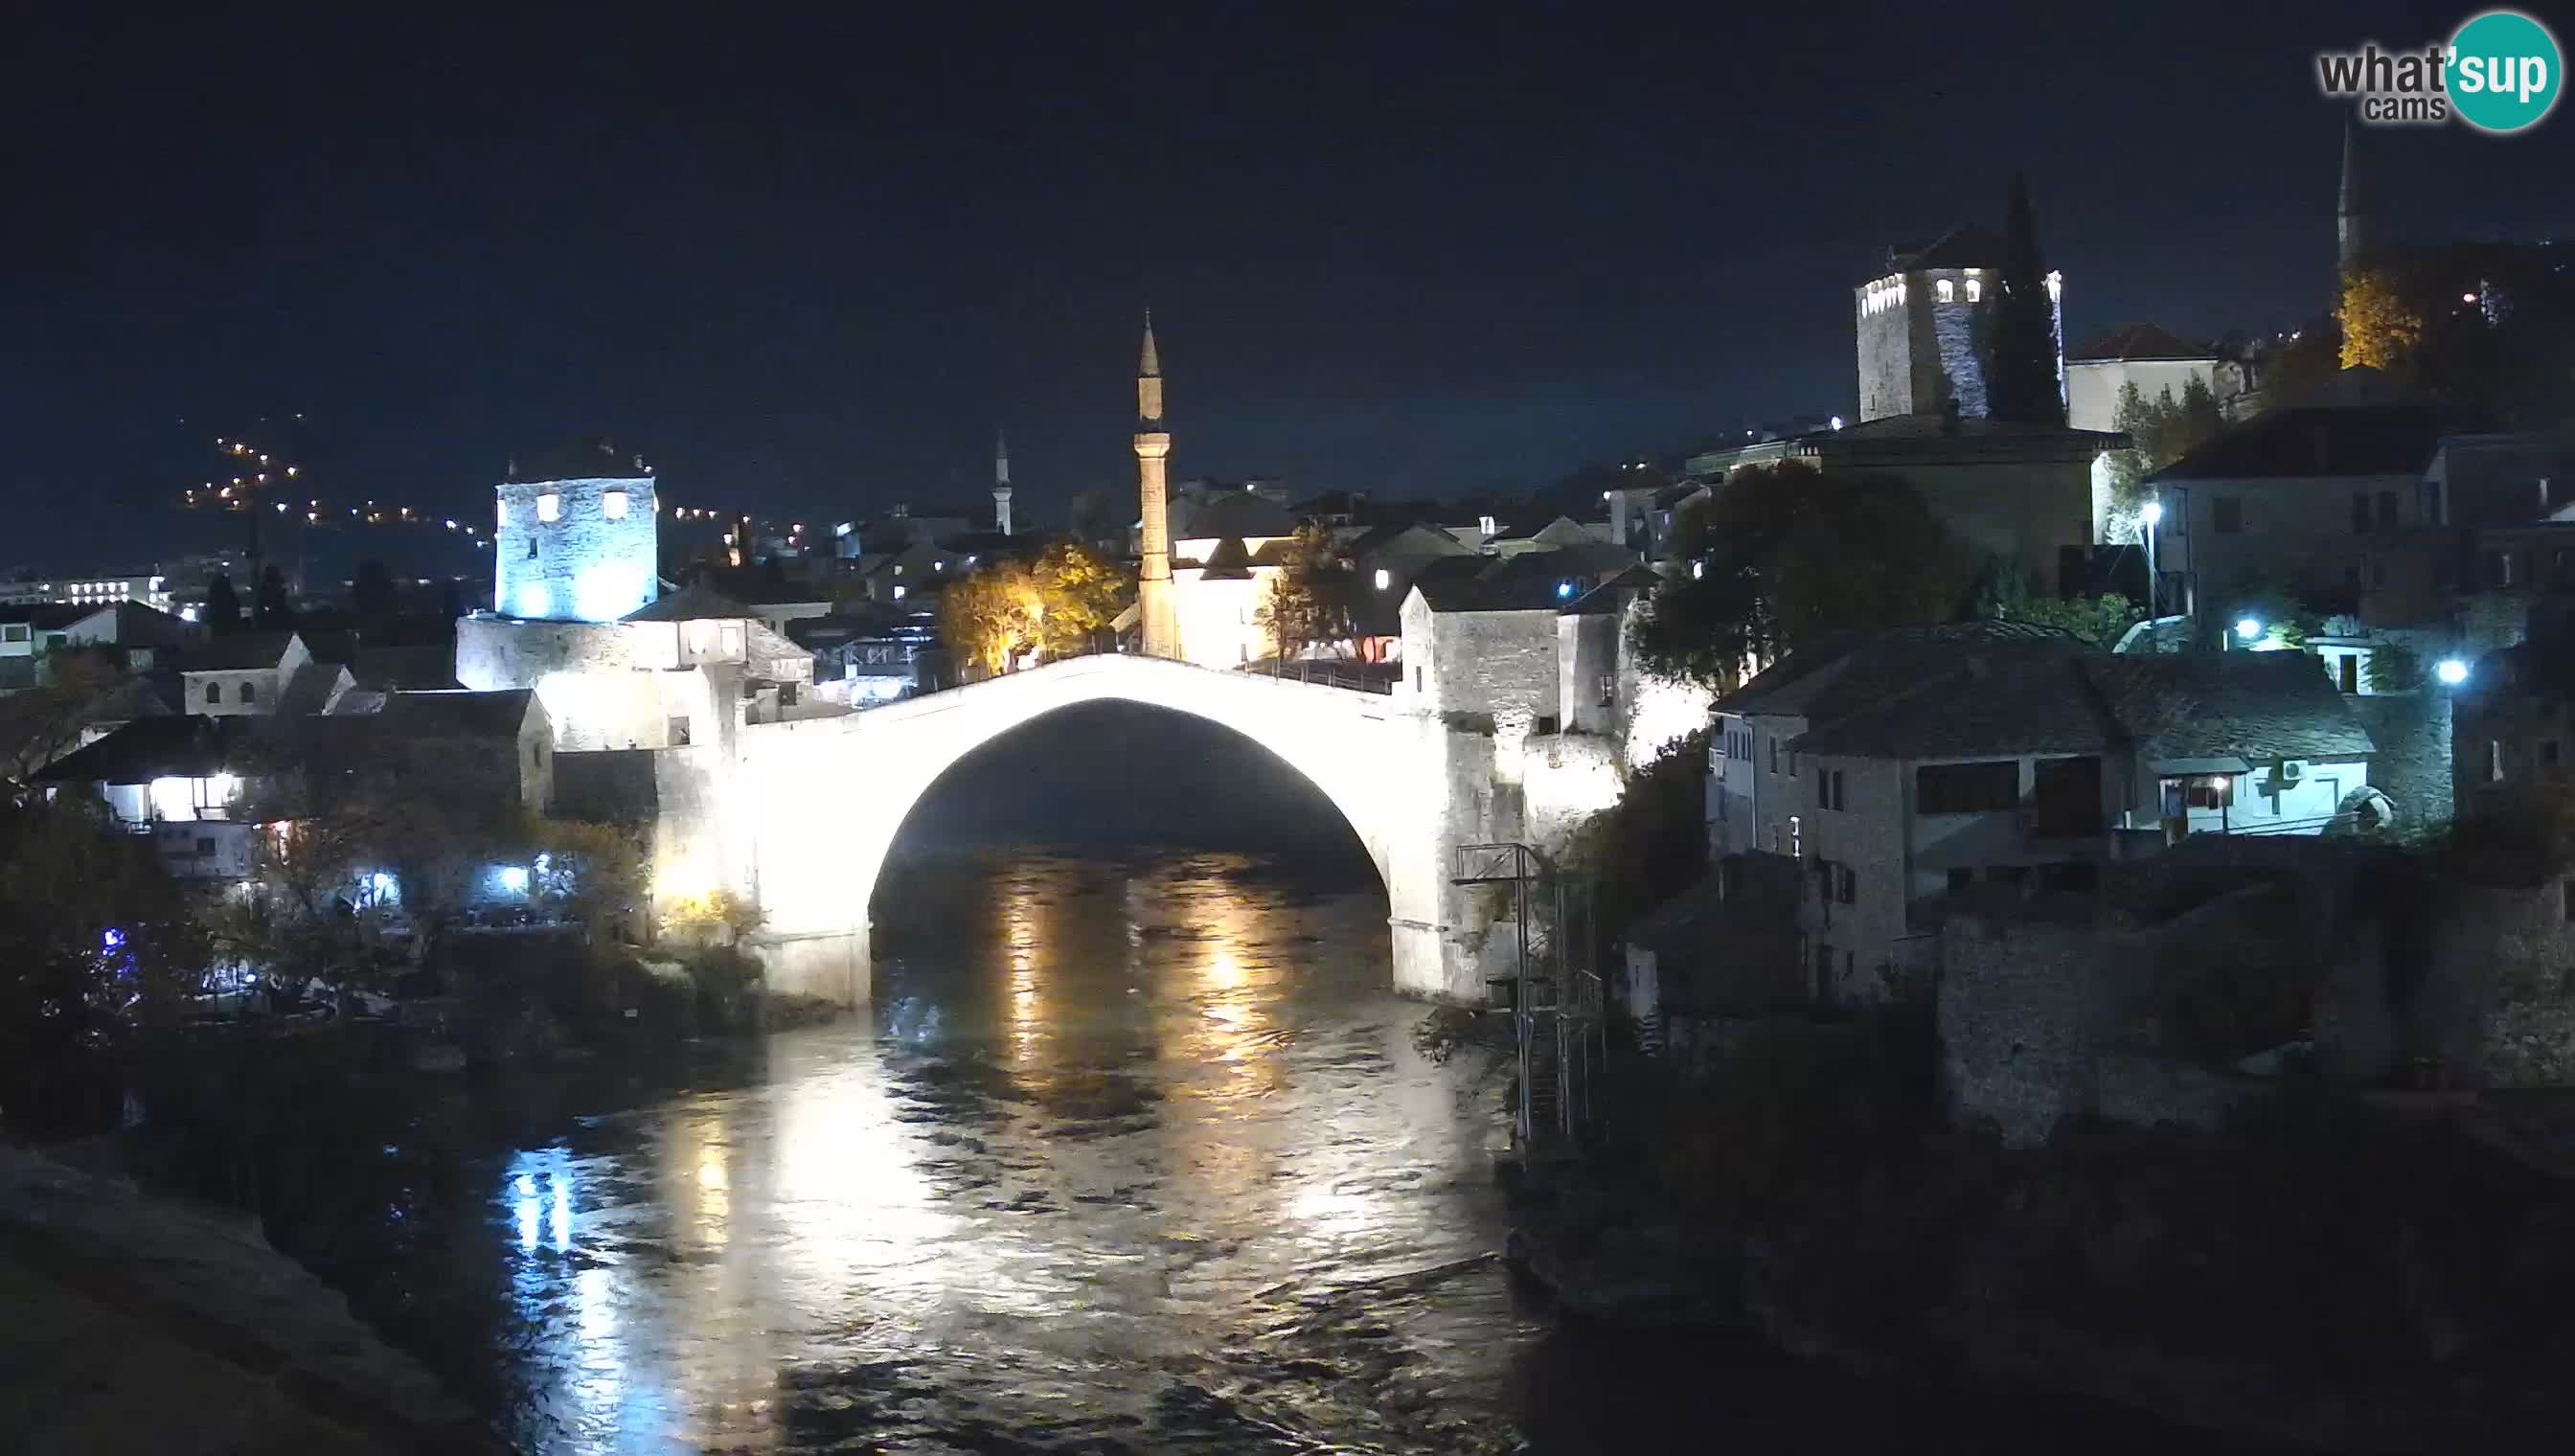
x,y
1553,997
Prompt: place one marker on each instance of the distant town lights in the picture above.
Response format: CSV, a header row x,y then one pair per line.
x,y
2451,672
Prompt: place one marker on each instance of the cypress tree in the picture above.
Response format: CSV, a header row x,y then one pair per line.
x,y
2020,373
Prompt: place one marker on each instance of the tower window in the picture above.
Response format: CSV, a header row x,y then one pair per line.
x,y
1949,291
612,504
214,692
501,517
550,507
1975,290
1384,578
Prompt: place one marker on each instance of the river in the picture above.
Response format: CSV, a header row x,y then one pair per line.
x,y
1131,1153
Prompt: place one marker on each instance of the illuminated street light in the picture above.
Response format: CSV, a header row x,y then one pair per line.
x,y
2247,628
2153,513
2451,672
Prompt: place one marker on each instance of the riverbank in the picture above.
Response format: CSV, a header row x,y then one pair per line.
x,y
2333,1280
141,1325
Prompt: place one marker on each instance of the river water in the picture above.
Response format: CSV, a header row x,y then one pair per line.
x,y
1131,1153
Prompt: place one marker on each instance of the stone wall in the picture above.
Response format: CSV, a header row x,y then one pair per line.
x,y
2497,1002
2020,1018
583,566
2413,762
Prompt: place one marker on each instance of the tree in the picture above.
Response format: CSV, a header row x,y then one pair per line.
x,y
371,593
1783,555
43,722
2381,328
1310,602
990,617
97,944
2097,621
2021,382
273,613
1079,596
1096,518
2159,431
1055,608
222,605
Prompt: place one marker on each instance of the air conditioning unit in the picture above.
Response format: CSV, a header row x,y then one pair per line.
x,y
2287,771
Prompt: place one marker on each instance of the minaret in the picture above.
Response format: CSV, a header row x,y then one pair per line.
x,y
1000,483
2351,237
1157,616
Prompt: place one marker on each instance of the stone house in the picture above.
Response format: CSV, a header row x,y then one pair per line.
x,y
262,673
2513,724
1384,559
1901,768
689,666
2156,360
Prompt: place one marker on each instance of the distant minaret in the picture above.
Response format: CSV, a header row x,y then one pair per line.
x,y
1001,483
2351,214
1157,616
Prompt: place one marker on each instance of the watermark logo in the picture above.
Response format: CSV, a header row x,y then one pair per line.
x,y
2500,72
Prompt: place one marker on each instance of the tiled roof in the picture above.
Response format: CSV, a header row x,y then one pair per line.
x,y
1238,513
427,668
1809,682
1613,595
2139,341
581,460
2255,705
692,602
239,651
1964,247
2010,701
1226,562
2305,441
459,713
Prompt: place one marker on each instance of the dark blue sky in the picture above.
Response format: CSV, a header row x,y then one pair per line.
x,y
809,262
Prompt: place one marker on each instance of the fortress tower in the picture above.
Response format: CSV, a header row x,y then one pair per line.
x,y
577,536
1157,616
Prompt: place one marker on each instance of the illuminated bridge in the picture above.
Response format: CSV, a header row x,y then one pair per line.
x,y
802,816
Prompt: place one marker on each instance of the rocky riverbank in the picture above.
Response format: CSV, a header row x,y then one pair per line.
x,y
2345,1283
139,1325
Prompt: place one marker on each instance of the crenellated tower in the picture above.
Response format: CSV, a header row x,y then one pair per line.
x,y
1157,616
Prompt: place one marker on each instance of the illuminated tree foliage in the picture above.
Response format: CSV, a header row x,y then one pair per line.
x,y
2160,431
1786,554
2381,328
2095,620
1055,607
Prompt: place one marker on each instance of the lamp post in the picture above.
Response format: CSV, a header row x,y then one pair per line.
x,y
2153,516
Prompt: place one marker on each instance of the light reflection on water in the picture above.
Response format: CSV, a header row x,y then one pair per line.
x,y
1110,1131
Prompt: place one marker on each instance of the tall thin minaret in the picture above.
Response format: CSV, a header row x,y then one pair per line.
x,y
1157,616
2351,212
1000,483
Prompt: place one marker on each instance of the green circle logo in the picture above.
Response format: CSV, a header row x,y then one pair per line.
x,y
2505,71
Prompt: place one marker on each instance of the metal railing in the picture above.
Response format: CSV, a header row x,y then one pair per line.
x,y
1321,675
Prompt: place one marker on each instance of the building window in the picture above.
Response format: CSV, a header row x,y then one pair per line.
x,y
1960,789
1960,876
1416,680
214,692
2547,752
898,592
2360,511
1796,837
2499,573
1608,690
2387,510
550,507
680,732
1774,755
1845,884
2205,791
250,692
2226,515
612,504
1975,290
1949,291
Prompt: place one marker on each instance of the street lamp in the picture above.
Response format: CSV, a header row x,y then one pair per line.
x,y
2451,672
2153,516
2248,628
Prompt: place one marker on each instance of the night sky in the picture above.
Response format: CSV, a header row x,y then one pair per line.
x,y
808,264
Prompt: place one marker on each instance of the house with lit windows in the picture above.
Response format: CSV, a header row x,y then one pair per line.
x,y
1895,769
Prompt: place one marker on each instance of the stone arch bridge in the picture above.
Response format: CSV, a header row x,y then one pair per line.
x,y
801,814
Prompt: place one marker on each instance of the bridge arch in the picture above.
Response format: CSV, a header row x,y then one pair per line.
x,y
814,806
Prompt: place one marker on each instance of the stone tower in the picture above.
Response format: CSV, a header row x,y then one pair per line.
x,y
1001,483
577,538
2351,212
1157,616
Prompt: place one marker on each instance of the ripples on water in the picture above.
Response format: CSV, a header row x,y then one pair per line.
x,y
1129,1156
